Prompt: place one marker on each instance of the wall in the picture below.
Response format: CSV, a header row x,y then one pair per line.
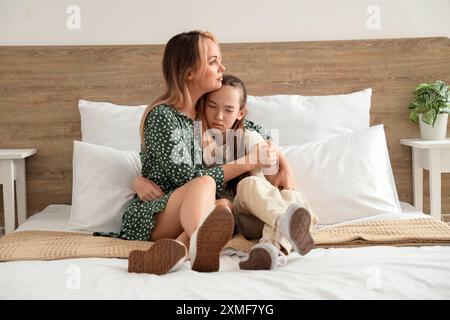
x,y
104,22
58,22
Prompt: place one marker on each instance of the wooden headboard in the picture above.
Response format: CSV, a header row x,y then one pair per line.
x,y
40,88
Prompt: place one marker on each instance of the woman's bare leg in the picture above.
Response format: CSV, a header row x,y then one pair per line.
x,y
184,238
181,219
185,208
224,202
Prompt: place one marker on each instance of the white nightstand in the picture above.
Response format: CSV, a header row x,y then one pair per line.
x,y
434,156
12,167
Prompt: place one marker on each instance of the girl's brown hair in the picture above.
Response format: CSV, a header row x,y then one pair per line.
x,y
183,53
227,80
235,82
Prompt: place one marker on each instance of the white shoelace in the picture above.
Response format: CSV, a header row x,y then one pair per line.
x,y
282,258
278,234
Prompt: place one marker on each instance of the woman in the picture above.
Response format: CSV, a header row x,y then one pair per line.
x,y
182,211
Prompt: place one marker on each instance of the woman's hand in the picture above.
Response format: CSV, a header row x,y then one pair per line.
x,y
283,180
146,189
264,155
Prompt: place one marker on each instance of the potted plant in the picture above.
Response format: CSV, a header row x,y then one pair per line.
x,y
430,106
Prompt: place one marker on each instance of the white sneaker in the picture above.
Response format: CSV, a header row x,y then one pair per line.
x,y
212,234
294,225
263,256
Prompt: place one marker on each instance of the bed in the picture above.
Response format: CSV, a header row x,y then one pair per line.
x,y
376,272
39,88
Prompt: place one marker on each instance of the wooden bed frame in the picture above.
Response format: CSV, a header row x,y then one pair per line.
x,y
40,88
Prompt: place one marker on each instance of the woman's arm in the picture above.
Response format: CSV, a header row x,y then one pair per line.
x,y
171,152
262,155
234,169
160,127
148,190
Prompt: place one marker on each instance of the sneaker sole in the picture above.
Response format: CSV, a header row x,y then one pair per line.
x,y
159,259
212,236
258,259
299,229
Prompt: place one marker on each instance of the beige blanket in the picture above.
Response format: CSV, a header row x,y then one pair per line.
x,y
49,245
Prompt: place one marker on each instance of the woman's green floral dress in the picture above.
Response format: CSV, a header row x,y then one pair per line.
x,y
173,158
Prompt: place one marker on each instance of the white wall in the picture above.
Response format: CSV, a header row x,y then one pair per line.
x,y
44,22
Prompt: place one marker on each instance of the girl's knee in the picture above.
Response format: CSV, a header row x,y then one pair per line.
x,y
248,183
251,180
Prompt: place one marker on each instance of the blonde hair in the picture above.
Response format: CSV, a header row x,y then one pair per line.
x,y
183,53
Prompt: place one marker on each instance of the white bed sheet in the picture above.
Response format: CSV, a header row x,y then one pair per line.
x,y
380,272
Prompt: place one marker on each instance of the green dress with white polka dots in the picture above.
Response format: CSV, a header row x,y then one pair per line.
x,y
173,157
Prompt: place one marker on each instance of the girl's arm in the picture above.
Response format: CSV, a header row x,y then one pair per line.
x,y
284,164
284,179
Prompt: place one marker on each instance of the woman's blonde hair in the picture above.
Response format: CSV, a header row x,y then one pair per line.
x,y
183,53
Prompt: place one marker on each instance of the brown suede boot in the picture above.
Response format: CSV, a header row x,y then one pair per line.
x,y
165,255
206,243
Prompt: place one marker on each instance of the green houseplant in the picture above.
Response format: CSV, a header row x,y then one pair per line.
x,y
430,107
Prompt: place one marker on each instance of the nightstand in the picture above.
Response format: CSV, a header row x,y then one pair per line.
x,y
12,168
434,156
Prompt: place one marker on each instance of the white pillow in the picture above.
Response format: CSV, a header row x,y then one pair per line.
x,y
346,177
102,186
111,125
304,119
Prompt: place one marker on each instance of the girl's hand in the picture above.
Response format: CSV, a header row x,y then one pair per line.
x,y
283,180
264,155
146,189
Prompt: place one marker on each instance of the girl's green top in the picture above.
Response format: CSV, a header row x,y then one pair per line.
x,y
173,157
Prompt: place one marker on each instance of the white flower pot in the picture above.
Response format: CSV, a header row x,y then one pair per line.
x,y
438,132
